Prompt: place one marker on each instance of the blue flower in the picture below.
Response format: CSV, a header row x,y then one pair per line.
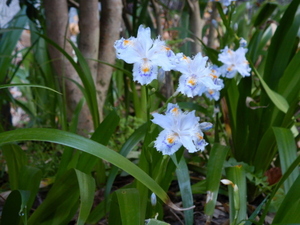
x,y
145,54
214,93
195,79
224,2
234,61
180,128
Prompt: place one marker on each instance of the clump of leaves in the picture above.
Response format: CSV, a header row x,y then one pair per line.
x,y
126,127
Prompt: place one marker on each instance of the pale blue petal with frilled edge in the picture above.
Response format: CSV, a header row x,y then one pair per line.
x,y
165,121
206,126
173,110
188,143
126,50
189,85
144,38
144,72
167,142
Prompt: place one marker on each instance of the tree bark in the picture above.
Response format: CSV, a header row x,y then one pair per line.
x,y
89,33
211,39
196,25
110,25
56,12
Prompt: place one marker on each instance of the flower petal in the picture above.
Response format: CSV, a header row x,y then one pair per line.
x,y
167,143
144,72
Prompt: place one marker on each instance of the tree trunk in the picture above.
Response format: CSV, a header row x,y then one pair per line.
x,y
89,33
196,25
110,25
211,42
56,12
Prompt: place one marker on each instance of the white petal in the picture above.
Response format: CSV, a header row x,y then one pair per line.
x,y
167,143
144,72
164,121
188,144
173,109
144,37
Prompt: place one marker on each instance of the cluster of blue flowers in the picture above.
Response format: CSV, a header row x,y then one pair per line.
x,y
198,77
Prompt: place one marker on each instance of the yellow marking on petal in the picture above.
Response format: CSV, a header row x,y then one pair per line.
x,y
229,68
192,82
199,136
211,92
246,62
167,48
175,110
213,76
170,139
229,51
145,69
185,58
127,42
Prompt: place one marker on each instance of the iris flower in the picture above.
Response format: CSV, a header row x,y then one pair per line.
x,y
215,93
180,128
224,2
234,61
145,54
196,76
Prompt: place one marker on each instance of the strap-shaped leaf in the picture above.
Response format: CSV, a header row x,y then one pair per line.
x,y
216,160
89,146
125,206
287,152
276,98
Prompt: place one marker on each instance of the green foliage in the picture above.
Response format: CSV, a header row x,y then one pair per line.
x,y
255,125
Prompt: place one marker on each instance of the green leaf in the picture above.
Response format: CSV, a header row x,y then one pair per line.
x,y
184,182
287,153
264,13
87,189
276,98
89,146
125,206
33,175
215,163
11,210
256,212
20,173
102,134
131,142
9,41
278,185
16,159
155,222
28,85
62,200
237,199
289,208
282,45
89,90
99,211
290,81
